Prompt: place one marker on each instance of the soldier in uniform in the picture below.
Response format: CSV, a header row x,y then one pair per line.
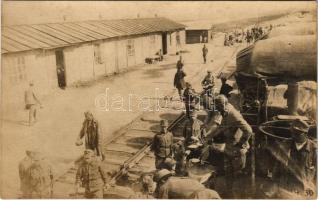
x,y
299,173
91,131
39,178
91,176
31,102
189,96
193,131
236,133
204,53
23,173
208,83
162,144
179,82
225,88
180,63
170,187
179,154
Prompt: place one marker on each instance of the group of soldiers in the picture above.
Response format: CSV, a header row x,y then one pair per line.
x,y
250,36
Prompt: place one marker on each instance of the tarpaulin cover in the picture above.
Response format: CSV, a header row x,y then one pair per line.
x,y
286,57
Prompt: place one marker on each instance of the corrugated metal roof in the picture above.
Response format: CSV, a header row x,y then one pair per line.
x,y
46,36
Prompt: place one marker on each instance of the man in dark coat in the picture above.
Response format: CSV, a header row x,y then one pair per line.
x,y
179,81
162,145
91,132
204,53
225,88
208,83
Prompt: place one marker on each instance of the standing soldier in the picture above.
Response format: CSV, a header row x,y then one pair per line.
x,y
91,132
208,83
189,96
24,166
204,53
193,131
225,88
91,176
39,178
31,102
236,132
162,144
180,63
179,81
179,154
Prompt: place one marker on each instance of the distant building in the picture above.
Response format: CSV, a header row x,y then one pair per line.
x,y
55,55
197,32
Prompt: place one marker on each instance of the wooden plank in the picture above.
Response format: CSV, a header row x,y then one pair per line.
x,y
121,147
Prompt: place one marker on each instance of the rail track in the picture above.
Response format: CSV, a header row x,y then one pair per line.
x,y
128,151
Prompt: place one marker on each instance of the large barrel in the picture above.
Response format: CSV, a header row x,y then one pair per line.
x,y
285,57
295,29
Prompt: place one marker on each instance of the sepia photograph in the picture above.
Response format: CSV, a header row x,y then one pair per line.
x,y
158,100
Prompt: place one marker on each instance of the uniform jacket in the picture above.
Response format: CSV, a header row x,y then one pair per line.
x,y
205,51
91,132
162,144
189,95
23,172
303,161
179,79
29,97
193,129
208,81
234,127
181,188
91,175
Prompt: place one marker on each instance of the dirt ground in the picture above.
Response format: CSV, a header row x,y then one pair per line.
x,y
60,120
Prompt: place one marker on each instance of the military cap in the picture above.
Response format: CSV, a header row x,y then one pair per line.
x,y
161,174
209,71
220,99
169,162
299,126
88,153
164,123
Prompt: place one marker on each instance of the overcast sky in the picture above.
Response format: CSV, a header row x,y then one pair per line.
x,y
28,12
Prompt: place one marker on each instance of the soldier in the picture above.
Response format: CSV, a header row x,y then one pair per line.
x,y
24,165
180,63
208,83
189,96
236,133
179,154
91,132
302,160
162,144
31,102
170,187
204,53
179,82
39,178
225,88
193,131
91,176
